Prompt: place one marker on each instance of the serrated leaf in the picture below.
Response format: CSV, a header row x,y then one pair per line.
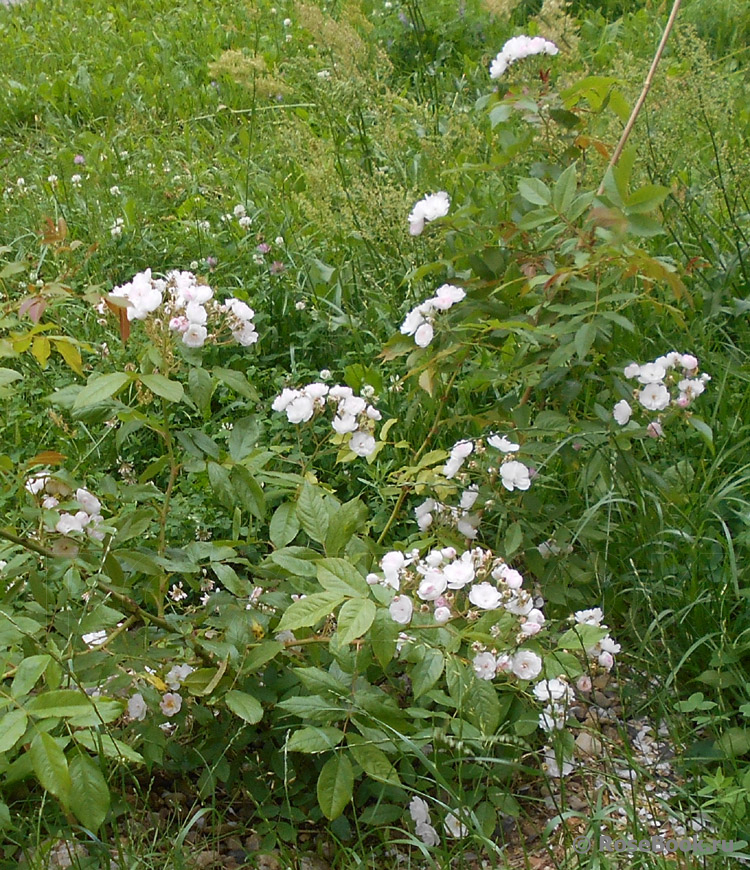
x,y
245,706
41,349
70,353
340,576
51,767
58,704
342,525
335,786
297,561
306,612
312,513
89,795
284,524
315,739
100,389
354,619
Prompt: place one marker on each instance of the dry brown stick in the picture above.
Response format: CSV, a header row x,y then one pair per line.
x,y
642,98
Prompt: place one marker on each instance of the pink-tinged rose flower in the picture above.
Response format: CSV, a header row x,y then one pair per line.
x,y
401,609
485,665
485,596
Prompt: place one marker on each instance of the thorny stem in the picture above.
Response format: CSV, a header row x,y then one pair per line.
x,y
644,93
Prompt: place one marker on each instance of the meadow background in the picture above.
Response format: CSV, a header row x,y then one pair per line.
x,y
276,152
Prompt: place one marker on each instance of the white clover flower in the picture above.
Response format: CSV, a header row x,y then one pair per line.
x,y
433,206
515,475
401,609
485,665
137,708
170,704
526,665
239,210
517,48
114,190
654,397
246,222
621,412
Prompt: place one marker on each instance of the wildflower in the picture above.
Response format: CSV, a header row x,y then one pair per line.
x,y
75,180
177,676
170,704
459,452
325,374
90,503
517,48
583,683
401,609
279,240
651,373
245,222
239,210
622,412
454,827
177,593
116,229
21,183
589,617
485,665
52,180
433,206
432,586
515,475
655,429
115,190
277,267
442,615
526,665
553,768
36,483
552,690
485,596
79,160
654,397
142,293
195,335
137,707
362,443
69,523
503,444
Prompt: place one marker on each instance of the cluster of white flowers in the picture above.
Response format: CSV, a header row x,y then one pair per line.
x,y
187,307
460,517
443,577
240,213
513,474
419,810
432,206
518,48
672,379
419,322
87,519
604,651
171,702
354,416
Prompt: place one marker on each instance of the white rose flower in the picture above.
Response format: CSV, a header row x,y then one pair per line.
x,y
485,596
632,370
137,707
454,827
485,665
401,609
442,615
424,335
432,586
90,503
433,206
170,704
515,475
195,335
589,617
553,768
654,397
552,690
362,443
419,810
526,665
651,373
459,573
622,412
300,409
504,444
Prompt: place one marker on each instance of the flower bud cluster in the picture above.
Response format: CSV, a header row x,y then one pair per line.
x,y
354,417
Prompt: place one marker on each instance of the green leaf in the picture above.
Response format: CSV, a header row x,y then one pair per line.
x,y
338,575
237,382
646,199
7,376
218,477
12,729
312,513
581,637
227,576
243,437
427,672
261,654
372,760
703,429
50,766
308,611
89,795
249,492
355,618
244,706
565,189
535,191
59,704
284,524
342,525
100,389
110,746
384,637
513,538
584,339
297,561
315,739
335,785
201,386
159,385
28,672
